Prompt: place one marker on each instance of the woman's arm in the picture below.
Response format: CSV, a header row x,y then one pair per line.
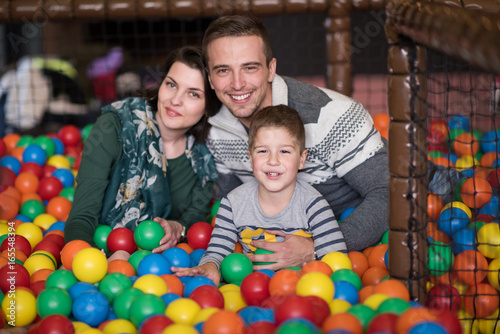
x,y
101,152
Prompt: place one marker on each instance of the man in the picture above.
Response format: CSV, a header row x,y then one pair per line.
x,y
347,160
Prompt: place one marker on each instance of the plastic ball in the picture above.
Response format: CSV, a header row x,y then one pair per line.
x,y
65,176
121,238
53,301
196,256
363,313
13,275
463,240
26,182
195,282
70,250
46,143
440,258
44,220
481,300
444,297
346,291
224,321
20,242
56,324
470,267
174,284
19,307
434,206
49,187
155,264
466,144
182,310
151,284
346,213
155,324
337,260
112,284
32,208
91,307
260,251
90,265
374,275
393,305
118,326
316,284
136,258
57,161
342,322
235,267
393,288
11,163
147,234
488,238
373,301
428,327
208,296
198,235
383,323
144,306
284,282
69,135
177,257
122,267
79,287
413,316
233,300
293,307
452,219
34,153
63,279
255,288
489,141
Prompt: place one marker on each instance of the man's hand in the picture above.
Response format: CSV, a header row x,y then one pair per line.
x,y
208,270
173,232
293,251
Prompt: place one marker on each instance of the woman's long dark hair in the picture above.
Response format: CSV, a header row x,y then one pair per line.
x,y
192,57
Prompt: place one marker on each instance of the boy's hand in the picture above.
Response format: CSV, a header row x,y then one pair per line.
x,y
173,232
208,270
293,251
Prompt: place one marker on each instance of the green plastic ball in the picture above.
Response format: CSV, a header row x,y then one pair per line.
x,y
147,235
47,144
393,305
32,209
214,209
123,301
62,279
112,284
25,141
101,234
53,301
440,258
235,267
86,131
385,238
260,251
458,188
145,306
294,327
137,257
363,313
476,225
349,276
68,193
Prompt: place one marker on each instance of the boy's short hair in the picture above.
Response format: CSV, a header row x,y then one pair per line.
x,y
280,116
237,26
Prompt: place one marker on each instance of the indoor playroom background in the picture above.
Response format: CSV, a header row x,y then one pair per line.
x,y
431,67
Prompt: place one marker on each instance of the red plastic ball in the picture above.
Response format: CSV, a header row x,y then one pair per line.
x,y
261,327
208,296
33,168
37,287
51,247
255,288
3,148
7,176
294,307
49,187
449,321
58,239
19,242
444,297
13,276
155,324
48,170
494,178
383,323
56,324
321,309
198,235
69,135
121,239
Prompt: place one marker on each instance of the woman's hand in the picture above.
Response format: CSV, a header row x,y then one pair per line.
x,y
293,251
173,232
208,270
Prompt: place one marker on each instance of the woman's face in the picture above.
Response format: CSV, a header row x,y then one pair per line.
x,y
181,98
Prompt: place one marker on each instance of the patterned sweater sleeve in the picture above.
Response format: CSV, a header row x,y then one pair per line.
x,y
324,227
224,236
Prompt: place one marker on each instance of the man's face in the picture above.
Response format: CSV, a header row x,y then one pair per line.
x,y
240,76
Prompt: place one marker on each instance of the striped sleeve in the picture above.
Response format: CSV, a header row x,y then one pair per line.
x,y
224,236
325,228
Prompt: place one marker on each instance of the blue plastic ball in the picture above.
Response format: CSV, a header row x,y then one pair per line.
x,y
252,314
489,141
155,264
59,146
268,272
346,213
463,240
490,208
34,153
91,307
196,282
346,291
11,163
459,122
79,287
65,176
452,220
23,218
169,297
428,328
196,256
177,257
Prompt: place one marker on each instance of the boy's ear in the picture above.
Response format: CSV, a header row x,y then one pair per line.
x,y
303,157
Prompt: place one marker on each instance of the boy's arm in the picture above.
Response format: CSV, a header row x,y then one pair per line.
x,y
208,270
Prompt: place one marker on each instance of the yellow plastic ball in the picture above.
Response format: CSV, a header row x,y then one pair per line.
x,y
493,269
228,287
19,307
204,314
80,326
337,260
58,161
460,205
90,265
182,311
233,301
151,284
38,261
44,220
466,162
90,331
470,325
46,253
31,232
339,306
4,228
489,324
179,329
488,237
375,300
119,326
316,284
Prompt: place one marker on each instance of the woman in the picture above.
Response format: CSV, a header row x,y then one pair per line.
x,y
145,158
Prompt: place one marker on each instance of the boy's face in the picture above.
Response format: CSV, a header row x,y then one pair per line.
x,y
276,159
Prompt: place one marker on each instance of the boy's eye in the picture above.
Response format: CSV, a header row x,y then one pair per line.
x,y
285,151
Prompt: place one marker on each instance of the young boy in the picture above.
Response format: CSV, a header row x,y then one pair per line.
x,y
275,200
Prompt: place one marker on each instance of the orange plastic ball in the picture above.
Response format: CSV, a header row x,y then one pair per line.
x,y
393,288
434,205
223,322
17,153
238,248
122,267
69,251
18,254
40,275
59,207
317,266
412,317
470,267
284,282
442,161
489,158
466,144
9,207
30,196
359,262
366,292
377,256
342,322
174,284
475,192
368,250
13,193
10,141
185,246
481,300
436,234
26,183
374,275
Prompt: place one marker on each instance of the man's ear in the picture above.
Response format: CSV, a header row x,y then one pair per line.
x,y
272,70
303,157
